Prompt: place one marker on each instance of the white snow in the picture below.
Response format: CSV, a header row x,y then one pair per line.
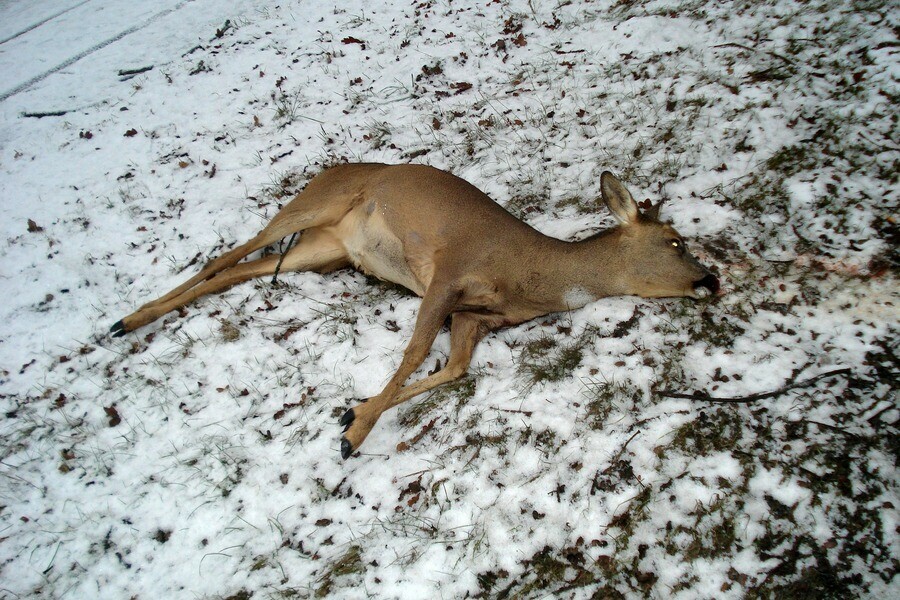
x,y
198,457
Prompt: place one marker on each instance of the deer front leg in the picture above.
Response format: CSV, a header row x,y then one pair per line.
x,y
466,330
437,304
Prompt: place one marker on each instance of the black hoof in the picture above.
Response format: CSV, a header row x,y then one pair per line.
x,y
118,330
346,448
347,420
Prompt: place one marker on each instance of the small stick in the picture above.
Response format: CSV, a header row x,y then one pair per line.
x,y
41,115
127,74
753,397
281,258
625,445
743,47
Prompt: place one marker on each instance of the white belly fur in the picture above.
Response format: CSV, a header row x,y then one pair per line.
x,y
577,297
375,250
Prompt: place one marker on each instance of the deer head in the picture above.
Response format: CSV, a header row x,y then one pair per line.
x,y
652,258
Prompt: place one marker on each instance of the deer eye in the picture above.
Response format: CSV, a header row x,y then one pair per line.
x,y
677,245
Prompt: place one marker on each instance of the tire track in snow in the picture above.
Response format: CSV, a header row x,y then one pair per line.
x,y
39,23
68,62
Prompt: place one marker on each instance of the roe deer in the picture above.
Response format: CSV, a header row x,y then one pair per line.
x,y
467,257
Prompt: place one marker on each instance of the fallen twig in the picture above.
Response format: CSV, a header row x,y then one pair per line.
x,y
41,115
753,397
874,417
126,74
625,445
743,47
833,428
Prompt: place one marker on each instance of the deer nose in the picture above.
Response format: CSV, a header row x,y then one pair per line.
x,y
710,282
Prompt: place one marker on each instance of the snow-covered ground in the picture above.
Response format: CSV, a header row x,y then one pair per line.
x,y
198,457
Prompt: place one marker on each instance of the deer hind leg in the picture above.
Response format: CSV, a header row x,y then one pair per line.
x,y
466,330
315,206
316,251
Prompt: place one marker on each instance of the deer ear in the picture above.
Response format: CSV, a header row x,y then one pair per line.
x,y
618,200
653,213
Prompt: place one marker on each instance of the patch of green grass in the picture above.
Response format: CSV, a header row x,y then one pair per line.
x,y
627,520
715,430
338,319
479,440
523,205
602,397
713,534
453,394
378,133
348,564
282,187
229,331
287,107
790,160
584,206
546,440
488,581
545,359
547,572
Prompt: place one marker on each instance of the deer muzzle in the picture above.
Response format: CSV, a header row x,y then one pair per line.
x,y
710,283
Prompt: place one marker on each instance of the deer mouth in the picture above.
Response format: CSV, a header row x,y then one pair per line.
x,y
708,286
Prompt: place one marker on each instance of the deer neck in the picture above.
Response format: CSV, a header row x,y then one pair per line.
x,y
573,274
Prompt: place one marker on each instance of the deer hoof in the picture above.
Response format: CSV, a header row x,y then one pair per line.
x,y
118,330
346,448
347,420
